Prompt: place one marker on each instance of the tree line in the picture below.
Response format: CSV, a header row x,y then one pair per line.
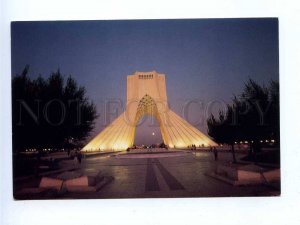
x,y
252,116
49,113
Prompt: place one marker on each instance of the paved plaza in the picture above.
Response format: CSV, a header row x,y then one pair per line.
x,y
154,173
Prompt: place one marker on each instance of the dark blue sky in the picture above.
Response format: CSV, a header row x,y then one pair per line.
x,y
205,59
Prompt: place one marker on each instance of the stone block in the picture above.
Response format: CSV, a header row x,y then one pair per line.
x,y
79,181
243,174
272,175
51,183
249,177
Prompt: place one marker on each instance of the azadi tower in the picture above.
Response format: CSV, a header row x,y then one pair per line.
x,y
146,94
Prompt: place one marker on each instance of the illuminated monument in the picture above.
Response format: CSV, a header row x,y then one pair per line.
x,y
146,94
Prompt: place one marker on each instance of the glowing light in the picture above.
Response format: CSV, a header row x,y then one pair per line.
x,y
119,135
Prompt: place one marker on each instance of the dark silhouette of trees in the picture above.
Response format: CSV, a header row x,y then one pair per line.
x,y
49,113
253,116
222,130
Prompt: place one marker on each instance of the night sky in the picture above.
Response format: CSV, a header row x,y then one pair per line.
x,y
205,60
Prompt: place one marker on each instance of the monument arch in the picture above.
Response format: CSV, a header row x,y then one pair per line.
x,y
146,94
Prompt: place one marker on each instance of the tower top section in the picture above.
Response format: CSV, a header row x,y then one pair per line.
x,y
151,83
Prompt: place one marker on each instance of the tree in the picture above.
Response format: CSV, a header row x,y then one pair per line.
x,y
49,113
222,130
253,116
261,119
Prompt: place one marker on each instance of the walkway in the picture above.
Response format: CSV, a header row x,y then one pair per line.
x,y
180,176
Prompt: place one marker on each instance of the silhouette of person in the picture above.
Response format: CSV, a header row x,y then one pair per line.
x,y
215,153
79,157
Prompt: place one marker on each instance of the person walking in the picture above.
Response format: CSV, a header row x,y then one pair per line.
x,y
75,159
79,157
215,153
